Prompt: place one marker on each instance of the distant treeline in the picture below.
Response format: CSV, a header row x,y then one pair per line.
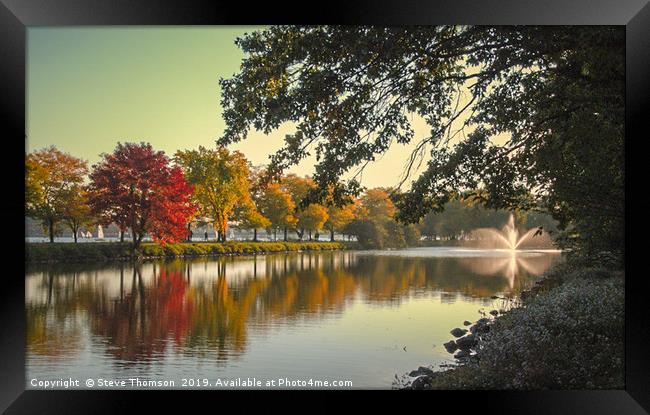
x,y
140,192
460,217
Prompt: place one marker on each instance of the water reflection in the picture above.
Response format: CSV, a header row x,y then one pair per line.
x,y
194,308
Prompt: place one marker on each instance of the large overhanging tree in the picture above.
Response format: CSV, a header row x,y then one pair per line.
x,y
555,93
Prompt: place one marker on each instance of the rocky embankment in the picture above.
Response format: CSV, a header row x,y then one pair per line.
x,y
463,347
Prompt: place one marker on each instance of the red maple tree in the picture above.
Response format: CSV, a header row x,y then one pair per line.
x,y
135,187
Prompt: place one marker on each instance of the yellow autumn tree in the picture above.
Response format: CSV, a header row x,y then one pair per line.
x,y
221,183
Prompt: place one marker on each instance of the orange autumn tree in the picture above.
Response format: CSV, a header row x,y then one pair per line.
x,y
312,218
339,216
53,183
298,188
136,187
278,207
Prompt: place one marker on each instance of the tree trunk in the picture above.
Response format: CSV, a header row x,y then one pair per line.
x,y
254,235
74,233
136,241
310,234
223,233
332,235
317,236
121,235
51,231
285,234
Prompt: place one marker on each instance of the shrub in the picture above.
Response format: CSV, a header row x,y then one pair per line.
x,y
45,252
571,337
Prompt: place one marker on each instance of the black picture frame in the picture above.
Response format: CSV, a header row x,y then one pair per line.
x,y
17,15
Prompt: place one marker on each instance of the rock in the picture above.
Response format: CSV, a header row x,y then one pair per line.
x,y
457,332
451,346
479,328
421,371
466,342
462,354
467,323
494,312
422,382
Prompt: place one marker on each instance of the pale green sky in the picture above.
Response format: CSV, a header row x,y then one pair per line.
x,y
90,87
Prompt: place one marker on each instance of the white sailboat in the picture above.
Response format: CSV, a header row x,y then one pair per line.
x,y
100,233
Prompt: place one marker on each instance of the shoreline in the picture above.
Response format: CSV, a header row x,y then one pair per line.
x,y
60,252
506,350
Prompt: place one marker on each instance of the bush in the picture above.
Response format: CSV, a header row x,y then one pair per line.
x,y
571,337
80,252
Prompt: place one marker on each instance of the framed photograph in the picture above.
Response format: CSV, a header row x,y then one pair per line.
x,y
414,196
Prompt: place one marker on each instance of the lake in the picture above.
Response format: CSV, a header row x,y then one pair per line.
x,y
359,316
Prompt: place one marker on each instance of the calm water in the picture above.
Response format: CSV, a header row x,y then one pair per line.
x,y
361,316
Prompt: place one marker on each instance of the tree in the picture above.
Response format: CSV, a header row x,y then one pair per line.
x,y
52,181
77,213
555,93
136,187
373,225
221,183
277,206
369,234
376,205
412,235
249,215
35,176
338,217
312,218
298,188
250,218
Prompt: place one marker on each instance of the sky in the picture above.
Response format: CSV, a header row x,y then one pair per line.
x,y
90,87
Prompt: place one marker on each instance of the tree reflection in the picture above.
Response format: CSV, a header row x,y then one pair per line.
x,y
210,307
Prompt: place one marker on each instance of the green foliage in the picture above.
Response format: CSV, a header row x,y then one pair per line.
x,y
71,252
369,234
412,235
460,217
556,93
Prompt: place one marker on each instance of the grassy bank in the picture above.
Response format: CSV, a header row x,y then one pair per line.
x,y
81,252
568,334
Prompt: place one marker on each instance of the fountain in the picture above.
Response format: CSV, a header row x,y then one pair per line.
x,y
507,238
